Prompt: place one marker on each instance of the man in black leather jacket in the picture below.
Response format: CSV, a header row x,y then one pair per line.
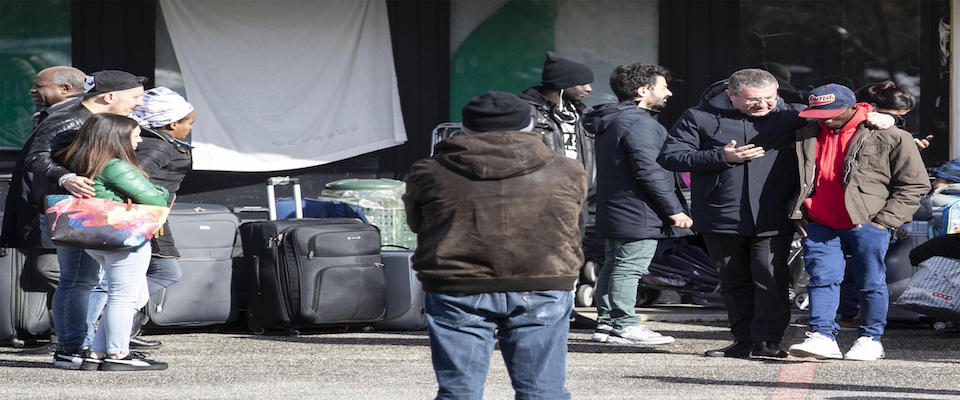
x,y
165,119
107,91
558,110
51,91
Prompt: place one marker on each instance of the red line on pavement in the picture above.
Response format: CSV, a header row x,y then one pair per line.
x,y
794,381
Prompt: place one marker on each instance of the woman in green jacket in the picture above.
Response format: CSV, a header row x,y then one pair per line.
x,y
104,150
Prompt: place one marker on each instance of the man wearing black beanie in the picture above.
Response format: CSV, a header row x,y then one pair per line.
x,y
498,250
558,109
558,114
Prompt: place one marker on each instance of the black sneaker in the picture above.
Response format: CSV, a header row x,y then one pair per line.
x,y
735,350
48,349
144,344
67,360
90,363
132,362
767,349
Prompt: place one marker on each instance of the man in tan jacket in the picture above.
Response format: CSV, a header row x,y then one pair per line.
x,y
856,186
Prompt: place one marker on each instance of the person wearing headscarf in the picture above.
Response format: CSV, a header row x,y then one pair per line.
x,y
165,119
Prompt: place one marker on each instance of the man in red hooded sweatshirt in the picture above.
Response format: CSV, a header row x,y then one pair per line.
x,y
857,185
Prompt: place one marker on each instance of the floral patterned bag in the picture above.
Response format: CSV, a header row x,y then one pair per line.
x,y
101,224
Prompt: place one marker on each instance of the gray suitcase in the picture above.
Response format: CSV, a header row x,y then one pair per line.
x,y
205,235
405,310
22,314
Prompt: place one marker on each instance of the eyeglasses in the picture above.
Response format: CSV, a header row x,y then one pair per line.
x,y
752,101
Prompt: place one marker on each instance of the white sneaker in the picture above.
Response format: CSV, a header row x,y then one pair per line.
x,y
817,346
638,334
865,349
601,333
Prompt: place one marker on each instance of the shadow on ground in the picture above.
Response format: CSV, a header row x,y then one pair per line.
x,y
803,385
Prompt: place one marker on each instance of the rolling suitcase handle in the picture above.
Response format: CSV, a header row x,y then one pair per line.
x,y
272,197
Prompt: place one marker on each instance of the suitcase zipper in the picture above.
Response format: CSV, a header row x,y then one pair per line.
x,y
284,277
163,298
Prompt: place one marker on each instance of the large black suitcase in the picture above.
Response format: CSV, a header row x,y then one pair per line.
x,y
405,310
22,314
205,236
312,272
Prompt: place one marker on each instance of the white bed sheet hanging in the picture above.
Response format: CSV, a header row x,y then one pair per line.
x,y
286,84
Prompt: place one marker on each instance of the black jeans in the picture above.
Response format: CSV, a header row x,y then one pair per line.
x,y
41,270
754,283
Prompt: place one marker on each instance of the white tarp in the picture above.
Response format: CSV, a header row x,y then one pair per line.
x,y
286,84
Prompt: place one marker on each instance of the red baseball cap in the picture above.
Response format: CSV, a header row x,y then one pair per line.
x,y
828,101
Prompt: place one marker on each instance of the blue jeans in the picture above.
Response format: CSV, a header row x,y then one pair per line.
x,y
79,273
625,262
161,273
531,328
849,296
823,258
125,272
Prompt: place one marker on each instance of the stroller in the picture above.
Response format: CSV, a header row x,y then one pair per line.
x,y
684,266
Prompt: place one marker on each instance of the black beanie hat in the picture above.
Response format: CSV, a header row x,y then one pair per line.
x,y
496,111
561,73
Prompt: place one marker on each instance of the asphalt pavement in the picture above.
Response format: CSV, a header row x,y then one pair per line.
x,y
921,364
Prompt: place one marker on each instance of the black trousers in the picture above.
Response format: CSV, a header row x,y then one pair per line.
x,y
754,283
41,270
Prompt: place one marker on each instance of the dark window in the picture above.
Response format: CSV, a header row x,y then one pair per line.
x,y
856,43
34,34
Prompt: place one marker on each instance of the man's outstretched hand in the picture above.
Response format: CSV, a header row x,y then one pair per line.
x,y
735,155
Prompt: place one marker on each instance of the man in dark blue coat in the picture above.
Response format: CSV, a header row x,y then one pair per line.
x,y
737,145
637,200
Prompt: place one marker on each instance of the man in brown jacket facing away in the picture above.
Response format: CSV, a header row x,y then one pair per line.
x,y
856,186
498,250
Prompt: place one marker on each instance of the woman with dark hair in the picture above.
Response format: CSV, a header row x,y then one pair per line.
x,y
165,118
104,151
888,98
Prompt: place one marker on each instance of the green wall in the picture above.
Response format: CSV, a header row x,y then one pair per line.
x,y
34,34
504,53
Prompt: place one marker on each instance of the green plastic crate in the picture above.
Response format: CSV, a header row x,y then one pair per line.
x,y
382,203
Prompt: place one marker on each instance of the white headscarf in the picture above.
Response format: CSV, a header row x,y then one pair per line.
x,y
161,107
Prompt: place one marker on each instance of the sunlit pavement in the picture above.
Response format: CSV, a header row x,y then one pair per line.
x,y
921,363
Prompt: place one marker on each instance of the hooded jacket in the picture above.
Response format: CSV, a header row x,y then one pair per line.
x,y
635,195
751,198
883,174
545,122
496,212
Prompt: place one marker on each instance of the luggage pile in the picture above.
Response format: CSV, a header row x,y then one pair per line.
x,y
310,264
325,268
